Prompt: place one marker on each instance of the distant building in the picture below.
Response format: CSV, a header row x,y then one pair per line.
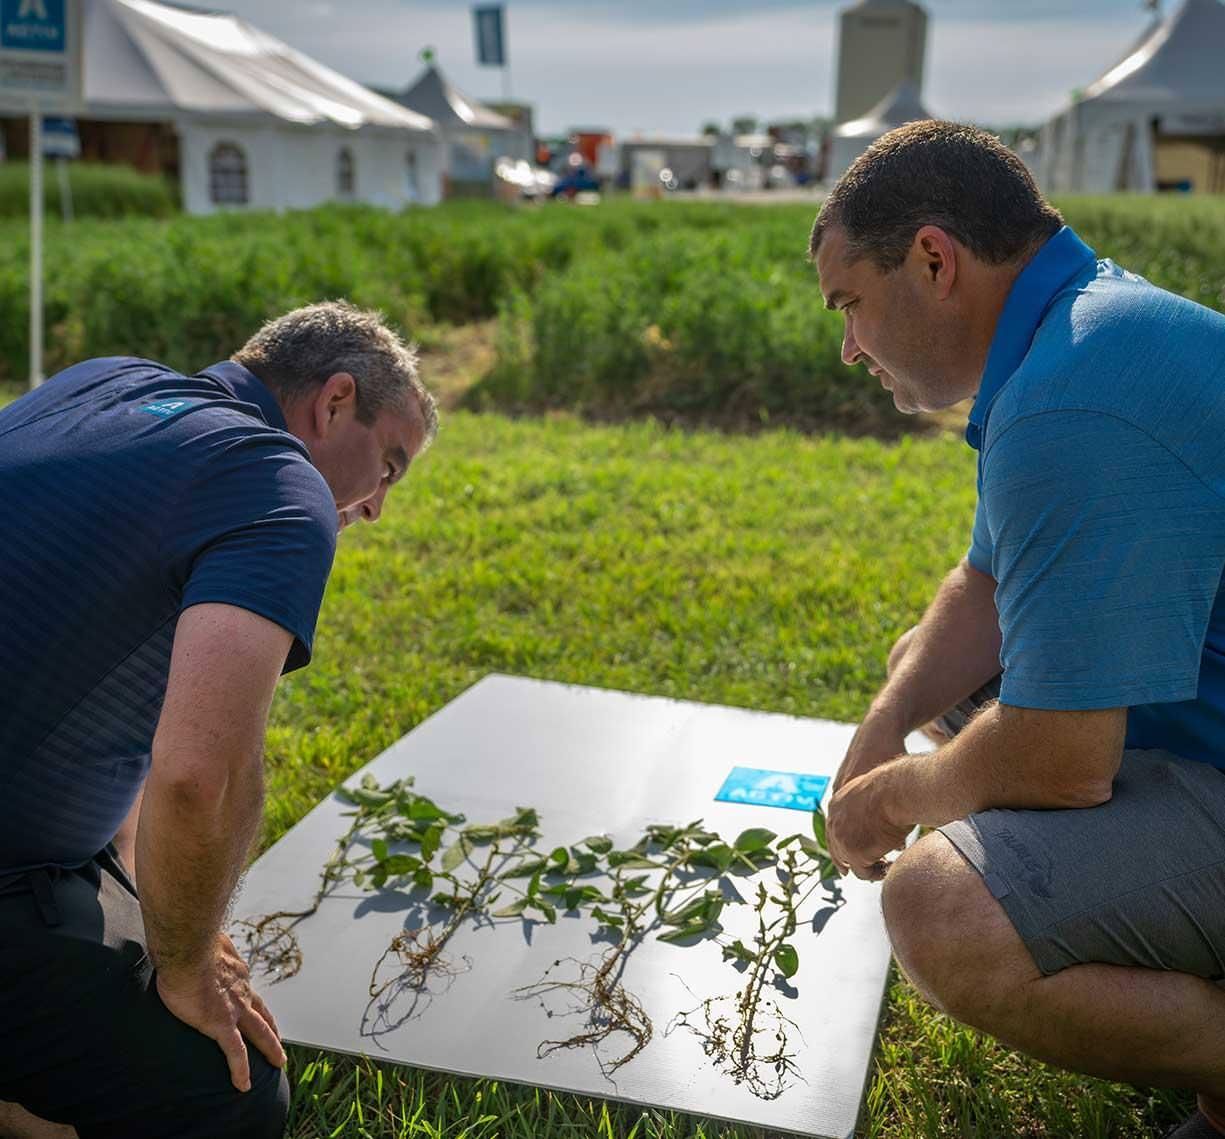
x,y
689,160
239,118
881,43
476,136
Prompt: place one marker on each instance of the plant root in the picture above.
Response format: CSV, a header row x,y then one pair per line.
x,y
757,1057
605,1003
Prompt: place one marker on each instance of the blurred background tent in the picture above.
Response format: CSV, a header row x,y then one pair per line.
x,y
475,136
1154,121
238,117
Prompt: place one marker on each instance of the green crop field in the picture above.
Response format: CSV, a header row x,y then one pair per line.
x,y
768,569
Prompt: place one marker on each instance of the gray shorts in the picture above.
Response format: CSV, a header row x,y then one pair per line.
x,y
1138,881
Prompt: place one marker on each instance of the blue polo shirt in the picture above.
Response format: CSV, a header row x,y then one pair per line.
x,y
1100,425
127,493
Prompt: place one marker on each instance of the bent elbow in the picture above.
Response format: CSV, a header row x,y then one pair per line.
x,y
1094,794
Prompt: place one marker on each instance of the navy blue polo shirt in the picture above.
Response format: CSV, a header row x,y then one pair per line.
x,y
1101,512
127,493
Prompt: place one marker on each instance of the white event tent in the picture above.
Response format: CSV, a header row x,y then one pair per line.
x,y
475,135
902,105
251,121
1155,120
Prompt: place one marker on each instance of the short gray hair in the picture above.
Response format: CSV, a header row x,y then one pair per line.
x,y
296,353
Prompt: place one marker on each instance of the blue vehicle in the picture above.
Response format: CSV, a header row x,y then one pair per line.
x,y
578,180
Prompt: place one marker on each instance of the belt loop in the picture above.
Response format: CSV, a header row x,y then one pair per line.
x,y
40,883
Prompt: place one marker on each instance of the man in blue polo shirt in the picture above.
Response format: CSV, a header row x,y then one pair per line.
x,y
167,543
1072,667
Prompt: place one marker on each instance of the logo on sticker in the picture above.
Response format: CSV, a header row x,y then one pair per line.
x,y
165,408
796,790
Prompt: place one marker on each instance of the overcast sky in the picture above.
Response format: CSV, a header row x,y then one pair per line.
x,y
668,66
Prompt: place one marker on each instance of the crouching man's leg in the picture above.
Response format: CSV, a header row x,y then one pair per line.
x,y
87,1041
1091,939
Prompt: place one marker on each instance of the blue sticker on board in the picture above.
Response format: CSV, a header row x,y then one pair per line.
x,y
794,789
165,408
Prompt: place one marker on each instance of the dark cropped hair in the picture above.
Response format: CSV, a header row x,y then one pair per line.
x,y
957,177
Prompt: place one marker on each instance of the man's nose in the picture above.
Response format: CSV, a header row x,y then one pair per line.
x,y
372,508
850,349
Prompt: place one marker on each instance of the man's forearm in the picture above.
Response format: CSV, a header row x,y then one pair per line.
x,y
954,650
1007,757
191,845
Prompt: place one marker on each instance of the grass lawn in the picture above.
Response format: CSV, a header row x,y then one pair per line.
x,y
770,572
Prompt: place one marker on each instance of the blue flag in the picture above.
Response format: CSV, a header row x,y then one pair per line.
x,y
490,41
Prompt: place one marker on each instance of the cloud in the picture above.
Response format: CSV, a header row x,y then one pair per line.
x,y
642,65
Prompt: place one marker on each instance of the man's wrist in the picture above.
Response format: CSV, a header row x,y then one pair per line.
x,y
892,798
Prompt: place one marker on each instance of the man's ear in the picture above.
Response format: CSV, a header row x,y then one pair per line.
x,y
337,397
934,253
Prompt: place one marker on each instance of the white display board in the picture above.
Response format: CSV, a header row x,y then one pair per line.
x,y
590,762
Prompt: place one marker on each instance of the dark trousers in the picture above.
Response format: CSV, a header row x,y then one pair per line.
x,y
84,1036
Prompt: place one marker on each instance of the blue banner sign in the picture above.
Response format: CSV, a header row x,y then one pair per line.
x,y
490,40
33,25
794,789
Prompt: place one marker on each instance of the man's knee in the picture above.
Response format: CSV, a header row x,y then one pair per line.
x,y
950,936
260,1113
224,1112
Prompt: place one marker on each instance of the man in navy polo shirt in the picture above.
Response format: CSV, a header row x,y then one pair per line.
x,y
167,543
1072,667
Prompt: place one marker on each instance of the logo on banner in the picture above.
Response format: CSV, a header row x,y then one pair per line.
x,y
33,25
796,790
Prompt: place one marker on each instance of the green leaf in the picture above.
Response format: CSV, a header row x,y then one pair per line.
x,y
369,782
431,840
455,854
476,833
605,918
424,878
549,912
533,887
811,847
687,912
597,843
379,849
787,960
378,876
423,808
364,797
635,887
754,839
684,933
397,864
630,860
560,858
717,856
524,868
738,951
818,828
513,910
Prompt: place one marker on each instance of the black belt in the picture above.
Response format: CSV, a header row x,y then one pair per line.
x,y
37,882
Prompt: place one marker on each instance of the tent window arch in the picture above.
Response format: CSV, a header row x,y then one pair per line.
x,y
346,174
227,175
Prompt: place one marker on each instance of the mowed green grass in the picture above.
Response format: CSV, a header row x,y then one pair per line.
x,y
771,572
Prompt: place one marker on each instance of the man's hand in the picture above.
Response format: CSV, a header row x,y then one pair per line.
x,y
858,830
217,1000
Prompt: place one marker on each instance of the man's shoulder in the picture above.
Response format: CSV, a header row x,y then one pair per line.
x,y
1121,347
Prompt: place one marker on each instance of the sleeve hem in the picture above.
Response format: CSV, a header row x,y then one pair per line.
x,y
1073,698
299,652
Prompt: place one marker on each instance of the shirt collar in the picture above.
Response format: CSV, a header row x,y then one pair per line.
x,y
1062,257
247,388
